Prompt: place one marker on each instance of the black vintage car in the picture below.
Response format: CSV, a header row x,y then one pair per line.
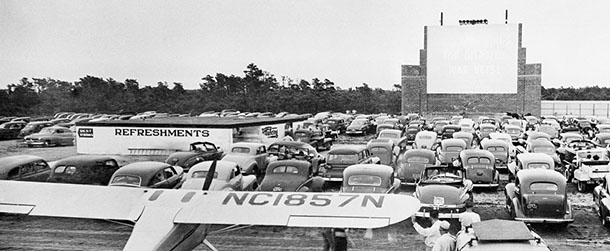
x,y
199,151
151,174
314,137
291,176
84,169
10,130
24,168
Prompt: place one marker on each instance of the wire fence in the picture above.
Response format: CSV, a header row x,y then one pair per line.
x,y
578,108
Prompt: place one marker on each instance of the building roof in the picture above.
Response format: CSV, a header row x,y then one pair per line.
x,y
195,122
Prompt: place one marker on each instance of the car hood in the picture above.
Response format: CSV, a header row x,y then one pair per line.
x,y
288,182
355,127
452,195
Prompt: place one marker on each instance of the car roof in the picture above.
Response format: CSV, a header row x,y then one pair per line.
x,y
296,144
493,142
420,152
603,135
429,133
453,142
302,165
502,230
461,133
347,149
368,169
528,176
247,144
83,159
380,142
511,126
16,160
487,125
144,169
534,157
395,131
223,168
540,142
477,153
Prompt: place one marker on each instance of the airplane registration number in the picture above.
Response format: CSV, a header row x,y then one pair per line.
x,y
299,199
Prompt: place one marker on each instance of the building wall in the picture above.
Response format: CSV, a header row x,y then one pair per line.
x,y
527,99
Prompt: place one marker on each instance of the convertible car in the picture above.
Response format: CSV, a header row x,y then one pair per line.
x,y
445,189
291,176
412,164
601,197
314,137
539,196
370,178
589,167
227,177
199,151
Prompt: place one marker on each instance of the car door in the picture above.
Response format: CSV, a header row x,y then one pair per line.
x,y
235,179
34,171
261,157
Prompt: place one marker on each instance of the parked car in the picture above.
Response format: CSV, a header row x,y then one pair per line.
x,y
497,234
199,151
150,174
227,177
384,149
601,198
361,127
51,136
336,125
512,150
546,147
499,149
396,136
425,140
11,129
24,168
285,150
370,178
480,167
448,130
412,164
34,127
84,169
530,161
485,130
588,168
539,196
340,158
437,126
515,132
314,137
602,139
549,130
445,189
250,156
411,131
449,150
291,176
466,137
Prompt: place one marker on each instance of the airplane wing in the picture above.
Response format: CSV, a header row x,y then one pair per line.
x,y
207,207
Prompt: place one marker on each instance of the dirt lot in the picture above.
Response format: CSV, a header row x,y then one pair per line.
x,y
45,233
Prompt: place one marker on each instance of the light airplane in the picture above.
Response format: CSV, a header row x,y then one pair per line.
x,y
181,219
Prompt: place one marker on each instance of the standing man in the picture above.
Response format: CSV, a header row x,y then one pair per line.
x,y
430,234
469,217
447,241
335,239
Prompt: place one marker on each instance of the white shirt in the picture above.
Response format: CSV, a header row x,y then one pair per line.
x,y
430,234
445,243
467,218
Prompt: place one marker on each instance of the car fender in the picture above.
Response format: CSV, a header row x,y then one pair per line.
x,y
509,190
512,167
581,175
605,202
518,213
317,184
375,160
247,182
468,185
396,186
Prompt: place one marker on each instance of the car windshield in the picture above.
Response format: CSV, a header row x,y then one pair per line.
x,y
126,180
448,174
544,149
286,169
388,135
240,150
203,174
342,158
539,165
543,186
418,159
378,150
364,180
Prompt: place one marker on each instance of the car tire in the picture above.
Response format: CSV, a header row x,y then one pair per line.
x,y
47,143
581,186
566,173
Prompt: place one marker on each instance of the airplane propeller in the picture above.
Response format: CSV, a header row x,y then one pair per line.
x,y
209,177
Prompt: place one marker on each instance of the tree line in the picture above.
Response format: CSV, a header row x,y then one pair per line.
x,y
256,90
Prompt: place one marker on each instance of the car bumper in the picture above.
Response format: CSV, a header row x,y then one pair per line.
x,y
544,220
355,132
332,179
445,211
486,185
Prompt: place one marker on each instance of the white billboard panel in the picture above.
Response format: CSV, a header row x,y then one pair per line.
x,y
472,58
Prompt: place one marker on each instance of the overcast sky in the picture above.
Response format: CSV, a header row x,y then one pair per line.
x,y
349,42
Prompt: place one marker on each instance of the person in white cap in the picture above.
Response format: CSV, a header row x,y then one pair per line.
x,y
447,241
430,234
